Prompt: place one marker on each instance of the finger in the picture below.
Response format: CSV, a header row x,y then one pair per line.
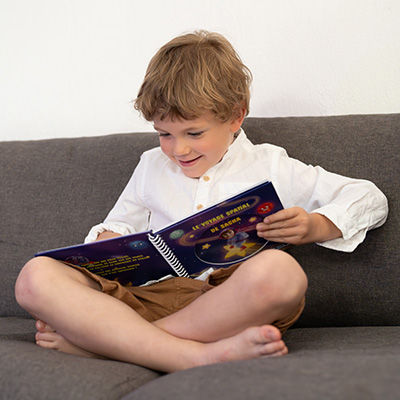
x,y
273,221
283,215
278,225
281,235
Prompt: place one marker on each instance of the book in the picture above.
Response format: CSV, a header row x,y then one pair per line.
x,y
216,237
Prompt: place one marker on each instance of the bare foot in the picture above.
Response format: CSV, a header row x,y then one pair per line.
x,y
255,342
48,338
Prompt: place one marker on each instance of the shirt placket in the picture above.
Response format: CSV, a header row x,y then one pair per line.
x,y
201,200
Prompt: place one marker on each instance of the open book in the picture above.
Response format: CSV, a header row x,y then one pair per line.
x,y
218,236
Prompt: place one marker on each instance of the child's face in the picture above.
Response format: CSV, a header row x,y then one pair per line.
x,y
228,234
196,145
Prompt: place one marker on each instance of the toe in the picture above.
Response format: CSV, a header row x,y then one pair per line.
x,y
42,326
271,333
275,349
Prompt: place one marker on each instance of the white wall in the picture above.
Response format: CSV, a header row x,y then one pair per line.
x,y
70,68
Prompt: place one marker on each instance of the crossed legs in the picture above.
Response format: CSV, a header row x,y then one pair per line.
x,y
229,322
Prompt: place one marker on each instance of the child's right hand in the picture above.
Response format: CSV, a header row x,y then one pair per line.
x,y
107,235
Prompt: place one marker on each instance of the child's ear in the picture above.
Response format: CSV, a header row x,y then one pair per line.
x,y
237,118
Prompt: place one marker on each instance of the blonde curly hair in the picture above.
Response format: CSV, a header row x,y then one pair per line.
x,y
195,73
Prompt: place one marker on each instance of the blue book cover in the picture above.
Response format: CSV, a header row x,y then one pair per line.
x,y
224,234
217,237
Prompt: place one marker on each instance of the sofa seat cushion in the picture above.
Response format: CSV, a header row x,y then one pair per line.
x,y
30,372
323,363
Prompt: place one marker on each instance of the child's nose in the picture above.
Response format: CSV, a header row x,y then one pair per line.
x,y
181,148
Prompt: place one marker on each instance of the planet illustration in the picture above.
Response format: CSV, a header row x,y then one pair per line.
x,y
138,245
176,234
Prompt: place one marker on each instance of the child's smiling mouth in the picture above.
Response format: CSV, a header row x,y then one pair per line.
x,y
188,163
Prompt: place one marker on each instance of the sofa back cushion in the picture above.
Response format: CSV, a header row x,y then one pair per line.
x,y
363,287
53,191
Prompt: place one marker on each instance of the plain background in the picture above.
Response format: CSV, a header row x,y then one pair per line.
x,y
71,68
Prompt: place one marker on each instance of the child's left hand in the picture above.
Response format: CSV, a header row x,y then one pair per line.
x,y
297,226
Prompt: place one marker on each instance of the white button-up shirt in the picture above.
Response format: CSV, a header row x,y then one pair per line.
x,y
159,194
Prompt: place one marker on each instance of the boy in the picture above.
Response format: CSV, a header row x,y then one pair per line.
x,y
196,91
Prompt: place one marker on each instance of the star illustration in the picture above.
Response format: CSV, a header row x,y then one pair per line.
x,y
240,251
206,246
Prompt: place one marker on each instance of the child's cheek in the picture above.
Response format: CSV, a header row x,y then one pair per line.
x,y
165,147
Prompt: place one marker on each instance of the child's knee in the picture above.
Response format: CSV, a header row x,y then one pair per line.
x,y
286,273
276,276
30,280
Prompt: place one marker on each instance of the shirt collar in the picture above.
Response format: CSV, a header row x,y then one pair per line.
x,y
232,151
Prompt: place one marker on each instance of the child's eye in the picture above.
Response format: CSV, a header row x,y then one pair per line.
x,y
195,134
163,134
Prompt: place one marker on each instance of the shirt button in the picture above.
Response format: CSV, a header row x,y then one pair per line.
x,y
200,206
206,178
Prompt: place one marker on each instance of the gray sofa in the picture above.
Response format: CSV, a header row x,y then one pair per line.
x,y
346,345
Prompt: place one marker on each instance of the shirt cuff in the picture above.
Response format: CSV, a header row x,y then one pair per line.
x,y
351,236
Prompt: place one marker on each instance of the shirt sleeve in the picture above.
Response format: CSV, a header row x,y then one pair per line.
x,y
353,205
129,214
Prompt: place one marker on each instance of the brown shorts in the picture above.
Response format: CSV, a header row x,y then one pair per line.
x,y
167,297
